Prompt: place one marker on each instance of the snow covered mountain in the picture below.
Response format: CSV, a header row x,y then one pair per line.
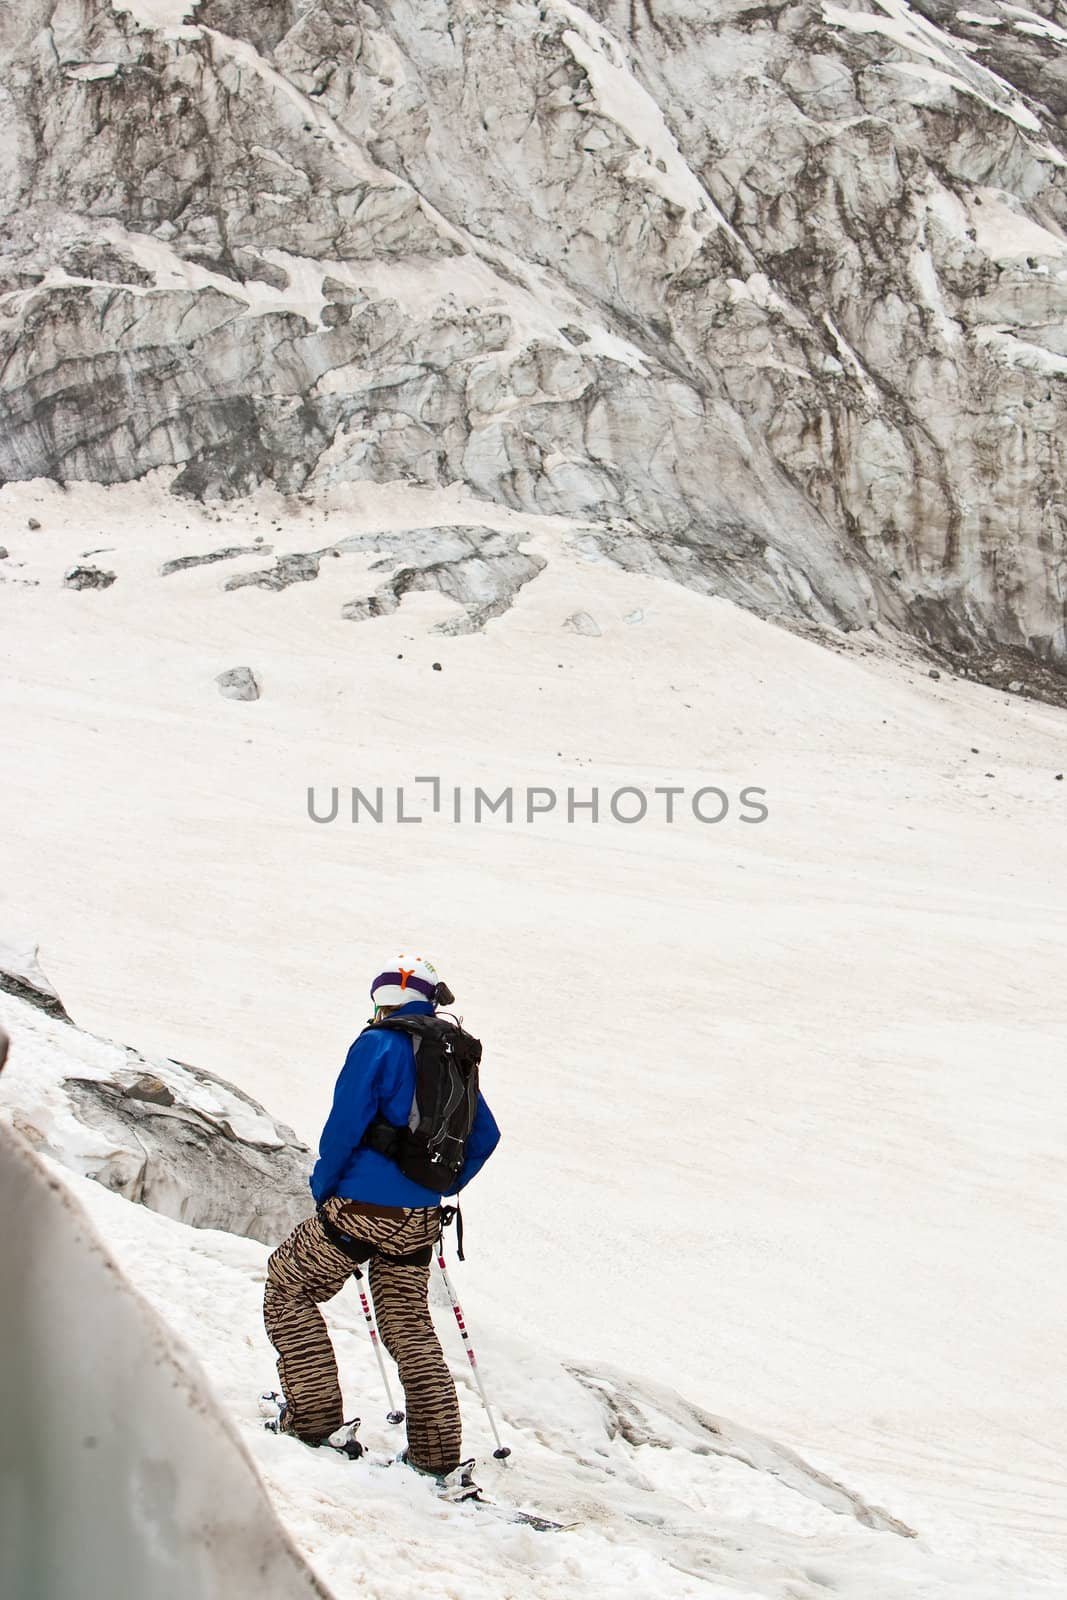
x,y
423,400
771,299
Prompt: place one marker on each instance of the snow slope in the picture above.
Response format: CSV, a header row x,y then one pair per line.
x,y
663,1517
658,1495
783,1104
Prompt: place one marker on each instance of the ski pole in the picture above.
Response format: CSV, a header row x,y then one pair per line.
x,y
393,1415
502,1451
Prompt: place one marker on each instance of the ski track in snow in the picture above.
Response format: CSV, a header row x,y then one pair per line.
x,y
783,1106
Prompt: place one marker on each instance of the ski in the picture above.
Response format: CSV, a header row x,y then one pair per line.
x,y
526,1519
271,1406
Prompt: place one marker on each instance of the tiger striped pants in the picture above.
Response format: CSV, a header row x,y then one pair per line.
x,y
309,1268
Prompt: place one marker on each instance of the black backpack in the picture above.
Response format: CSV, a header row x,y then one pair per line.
x,y
431,1148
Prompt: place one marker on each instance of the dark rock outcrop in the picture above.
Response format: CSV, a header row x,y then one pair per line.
x,y
183,563
83,577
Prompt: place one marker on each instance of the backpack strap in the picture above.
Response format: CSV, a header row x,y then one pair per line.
x,y
418,1025
418,1022
382,1136
447,1214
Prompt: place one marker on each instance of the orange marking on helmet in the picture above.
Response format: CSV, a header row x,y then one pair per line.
x,y
405,974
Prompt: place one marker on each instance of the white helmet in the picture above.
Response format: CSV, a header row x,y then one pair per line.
x,y
405,979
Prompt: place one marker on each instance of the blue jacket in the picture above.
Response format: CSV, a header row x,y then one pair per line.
x,y
378,1078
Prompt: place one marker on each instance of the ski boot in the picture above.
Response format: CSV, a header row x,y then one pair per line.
x,y
459,1484
273,1406
455,1486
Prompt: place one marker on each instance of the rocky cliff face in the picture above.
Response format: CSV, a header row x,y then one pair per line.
x,y
772,298
170,1136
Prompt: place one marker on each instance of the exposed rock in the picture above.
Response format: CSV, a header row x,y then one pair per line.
x,y
238,683
189,1163
181,563
83,577
105,262
345,294
151,1089
299,568
774,307
264,24
21,975
11,282
4,552
173,1137
479,568
581,622
251,267
32,524
1014,669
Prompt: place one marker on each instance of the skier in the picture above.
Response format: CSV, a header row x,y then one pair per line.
x,y
387,1122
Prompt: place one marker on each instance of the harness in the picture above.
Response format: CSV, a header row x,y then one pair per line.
x,y
360,1251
